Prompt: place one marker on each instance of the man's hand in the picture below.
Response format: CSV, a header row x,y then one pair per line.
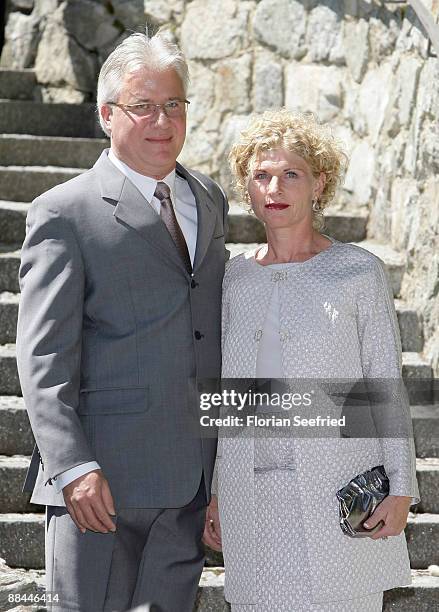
x,y
90,503
212,528
393,511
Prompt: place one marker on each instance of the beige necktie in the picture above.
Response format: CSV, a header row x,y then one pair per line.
x,y
167,214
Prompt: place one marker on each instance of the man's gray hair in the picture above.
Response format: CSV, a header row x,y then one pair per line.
x,y
134,53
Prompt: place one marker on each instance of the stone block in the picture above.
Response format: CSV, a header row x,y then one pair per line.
x,y
98,29
9,266
17,84
422,533
421,596
359,180
281,25
163,11
425,421
427,471
201,94
21,41
267,82
223,31
23,184
356,42
36,118
23,150
384,30
324,36
314,88
373,98
346,226
21,583
15,432
12,475
9,382
22,540
232,85
12,224
62,61
410,326
418,376
231,128
8,319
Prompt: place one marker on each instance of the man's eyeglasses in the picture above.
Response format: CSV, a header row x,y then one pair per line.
x,y
172,108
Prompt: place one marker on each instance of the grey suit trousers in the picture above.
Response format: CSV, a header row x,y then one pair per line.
x,y
155,557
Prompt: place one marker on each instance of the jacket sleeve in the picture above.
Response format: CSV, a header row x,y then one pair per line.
x,y
49,337
381,363
224,327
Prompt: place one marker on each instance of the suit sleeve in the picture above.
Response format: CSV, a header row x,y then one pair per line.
x,y
381,362
49,337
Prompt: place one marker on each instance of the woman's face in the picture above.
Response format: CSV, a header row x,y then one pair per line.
x,y
282,187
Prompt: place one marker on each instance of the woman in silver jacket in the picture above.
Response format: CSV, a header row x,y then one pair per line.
x,y
307,308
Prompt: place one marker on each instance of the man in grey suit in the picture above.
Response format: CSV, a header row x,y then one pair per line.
x,y
119,318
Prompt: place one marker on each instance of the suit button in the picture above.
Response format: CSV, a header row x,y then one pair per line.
x,y
194,284
198,335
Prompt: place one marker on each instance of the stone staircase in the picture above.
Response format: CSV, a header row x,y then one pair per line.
x,y
42,145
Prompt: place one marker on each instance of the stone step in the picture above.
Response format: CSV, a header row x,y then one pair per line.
x,y
7,283
26,150
15,432
9,267
425,421
395,262
9,382
13,221
13,471
39,119
415,370
9,310
422,534
410,327
22,540
12,474
16,437
421,596
17,84
346,226
422,388
24,183
427,471
8,317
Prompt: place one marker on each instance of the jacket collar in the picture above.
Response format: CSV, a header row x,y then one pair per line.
x,y
132,209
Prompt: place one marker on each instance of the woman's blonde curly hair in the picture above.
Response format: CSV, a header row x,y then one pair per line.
x,y
300,133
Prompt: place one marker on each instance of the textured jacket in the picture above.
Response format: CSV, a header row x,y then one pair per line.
x,y
337,321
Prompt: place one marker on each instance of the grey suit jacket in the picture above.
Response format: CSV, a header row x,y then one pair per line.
x,y
113,334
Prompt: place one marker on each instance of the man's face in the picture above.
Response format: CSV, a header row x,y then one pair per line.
x,y
148,145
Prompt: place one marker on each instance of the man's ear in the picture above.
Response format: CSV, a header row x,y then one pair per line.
x,y
106,111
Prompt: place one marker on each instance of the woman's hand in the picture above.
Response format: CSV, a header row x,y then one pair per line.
x,y
212,529
393,511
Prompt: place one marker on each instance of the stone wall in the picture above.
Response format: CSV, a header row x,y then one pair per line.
x,y
366,67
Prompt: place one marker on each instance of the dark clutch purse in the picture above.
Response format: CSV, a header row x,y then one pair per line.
x,y
359,498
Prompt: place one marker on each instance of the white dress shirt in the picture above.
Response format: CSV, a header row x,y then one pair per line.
x,y
185,208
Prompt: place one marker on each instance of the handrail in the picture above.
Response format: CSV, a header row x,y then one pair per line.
x,y
428,21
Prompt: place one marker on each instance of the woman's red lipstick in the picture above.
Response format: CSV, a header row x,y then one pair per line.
x,y
276,206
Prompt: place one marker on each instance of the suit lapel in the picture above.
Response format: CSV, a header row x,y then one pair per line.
x,y
134,210
206,214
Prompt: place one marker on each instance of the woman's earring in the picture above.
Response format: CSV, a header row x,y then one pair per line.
x,y
316,205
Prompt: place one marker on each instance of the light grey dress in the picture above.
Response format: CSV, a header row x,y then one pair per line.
x,y
278,555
